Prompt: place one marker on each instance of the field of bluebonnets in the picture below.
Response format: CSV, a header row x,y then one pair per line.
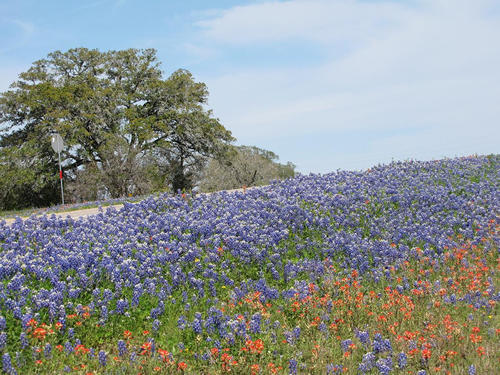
x,y
391,270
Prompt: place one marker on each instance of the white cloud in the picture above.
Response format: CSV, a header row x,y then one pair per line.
x,y
313,20
432,64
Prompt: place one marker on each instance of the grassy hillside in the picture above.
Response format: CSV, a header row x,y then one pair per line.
x,y
392,270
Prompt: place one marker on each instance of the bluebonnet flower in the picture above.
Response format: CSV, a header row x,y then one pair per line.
x,y
155,313
453,299
197,326
153,345
104,313
472,370
367,362
68,348
387,345
122,348
364,337
156,325
323,328
255,323
412,345
296,333
136,298
292,366
378,343
121,306
205,356
363,367
181,322
102,358
402,360
384,365
133,357
211,288
274,337
332,369
345,344
289,337
7,364
35,350
47,350
3,340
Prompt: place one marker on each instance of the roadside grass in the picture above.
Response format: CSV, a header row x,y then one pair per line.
x,y
26,212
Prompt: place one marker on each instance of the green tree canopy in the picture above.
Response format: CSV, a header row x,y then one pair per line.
x,y
118,117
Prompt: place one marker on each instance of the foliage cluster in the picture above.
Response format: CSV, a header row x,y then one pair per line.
x,y
128,131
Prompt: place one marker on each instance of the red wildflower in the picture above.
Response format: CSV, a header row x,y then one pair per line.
x,y
81,349
164,354
255,369
127,334
426,354
146,348
255,347
39,333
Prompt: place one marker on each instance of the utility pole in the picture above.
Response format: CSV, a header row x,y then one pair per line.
x,y
58,145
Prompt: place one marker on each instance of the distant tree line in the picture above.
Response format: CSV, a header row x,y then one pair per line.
x,y
243,166
127,131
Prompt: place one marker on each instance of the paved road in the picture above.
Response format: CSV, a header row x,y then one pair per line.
x,y
74,214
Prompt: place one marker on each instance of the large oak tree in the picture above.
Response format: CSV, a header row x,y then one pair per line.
x,y
119,118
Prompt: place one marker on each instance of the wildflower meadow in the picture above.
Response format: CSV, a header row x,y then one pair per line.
x,y
393,270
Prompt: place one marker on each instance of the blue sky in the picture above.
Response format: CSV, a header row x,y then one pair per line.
x,y
325,84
